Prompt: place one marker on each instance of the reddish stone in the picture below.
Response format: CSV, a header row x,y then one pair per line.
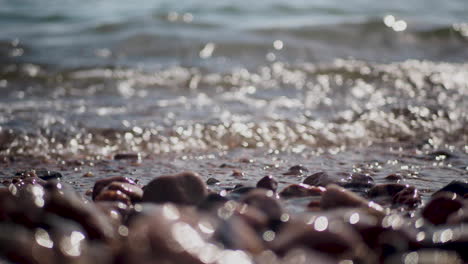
x,y
185,188
268,182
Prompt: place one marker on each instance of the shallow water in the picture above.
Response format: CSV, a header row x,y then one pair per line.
x,y
321,82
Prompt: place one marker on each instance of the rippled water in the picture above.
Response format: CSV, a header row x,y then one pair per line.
x,y
103,77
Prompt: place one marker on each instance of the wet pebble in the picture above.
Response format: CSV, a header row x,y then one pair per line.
x,y
268,182
301,190
212,181
101,184
394,177
441,207
266,201
319,179
185,188
296,170
127,156
338,197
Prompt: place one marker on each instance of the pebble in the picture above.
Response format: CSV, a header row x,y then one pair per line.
x,y
212,181
266,201
186,188
99,185
301,190
268,182
318,179
441,207
296,170
338,197
127,156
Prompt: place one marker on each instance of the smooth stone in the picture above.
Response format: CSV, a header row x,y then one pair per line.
x,y
296,170
338,197
186,188
357,180
266,201
301,190
65,202
337,241
388,189
394,177
237,234
409,196
212,181
127,156
268,182
441,207
318,179
99,185
113,196
162,235
133,191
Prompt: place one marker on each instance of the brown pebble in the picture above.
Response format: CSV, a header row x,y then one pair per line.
x,y
409,196
301,190
102,183
388,189
133,191
318,179
88,174
265,201
441,207
237,173
113,196
212,181
338,197
318,236
185,188
268,182
393,177
296,170
127,156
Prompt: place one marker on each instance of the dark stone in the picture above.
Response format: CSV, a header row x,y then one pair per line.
x,y
318,179
409,197
127,156
458,187
301,190
212,181
134,192
317,236
113,196
441,207
186,188
338,197
154,237
296,170
393,177
388,189
268,182
357,180
265,201
65,202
